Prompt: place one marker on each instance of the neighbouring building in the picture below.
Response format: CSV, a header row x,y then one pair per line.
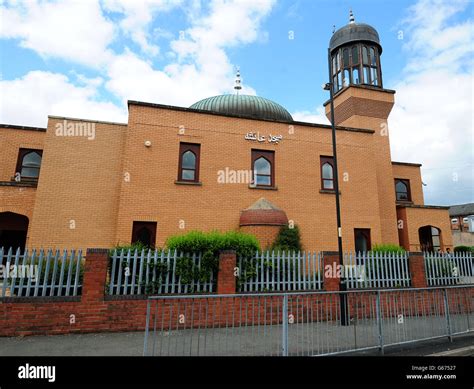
x,y
227,162
462,224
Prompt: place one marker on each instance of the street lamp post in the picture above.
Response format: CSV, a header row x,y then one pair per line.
x,y
342,284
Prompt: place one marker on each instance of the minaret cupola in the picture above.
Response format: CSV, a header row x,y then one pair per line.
x,y
355,56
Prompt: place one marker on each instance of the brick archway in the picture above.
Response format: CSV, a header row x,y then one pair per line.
x,y
13,230
430,238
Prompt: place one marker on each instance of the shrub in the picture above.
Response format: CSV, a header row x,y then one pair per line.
x,y
288,239
464,249
209,244
387,248
213,242
139,246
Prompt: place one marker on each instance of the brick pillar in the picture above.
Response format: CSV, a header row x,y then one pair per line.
x,y
226,277
416,264
330,268
95,275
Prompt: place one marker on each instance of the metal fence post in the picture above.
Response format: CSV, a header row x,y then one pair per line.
x,y
284,335
446,312
145,346
379,323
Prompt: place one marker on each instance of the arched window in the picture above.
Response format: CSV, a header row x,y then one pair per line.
x,y
327,173
29,163
365,55
402,190
189,166
337,72
355,55
373,58
189,162
430,238
263,167
345,57
263,171
374,78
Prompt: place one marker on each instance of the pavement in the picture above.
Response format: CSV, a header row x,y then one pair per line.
x,y
97,344
461,345
225,341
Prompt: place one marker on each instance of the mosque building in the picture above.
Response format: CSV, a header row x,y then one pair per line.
x,y
229,162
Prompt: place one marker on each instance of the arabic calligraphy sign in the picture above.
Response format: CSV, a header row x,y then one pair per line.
x,y
256,137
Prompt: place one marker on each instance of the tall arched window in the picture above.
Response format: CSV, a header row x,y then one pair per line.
x,y
189,162
402,190
263,171
374,77
29,163
189,166
355,65
263,167
327,173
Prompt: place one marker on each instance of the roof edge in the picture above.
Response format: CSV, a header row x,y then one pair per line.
x,y
205,112
17,127
86,120
407,164
423,206
363,86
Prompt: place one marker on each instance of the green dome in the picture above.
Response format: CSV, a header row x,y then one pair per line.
x,y
254,107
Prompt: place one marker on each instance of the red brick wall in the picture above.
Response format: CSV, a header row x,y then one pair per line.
x,y
94,312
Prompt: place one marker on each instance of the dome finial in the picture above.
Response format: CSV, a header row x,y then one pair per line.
x,y
238,82
351,17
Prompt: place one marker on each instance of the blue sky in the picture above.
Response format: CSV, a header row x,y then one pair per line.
x,y
86,58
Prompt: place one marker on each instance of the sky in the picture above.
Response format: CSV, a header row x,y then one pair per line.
x,y
86,58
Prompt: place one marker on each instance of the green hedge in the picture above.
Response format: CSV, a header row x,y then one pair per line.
x,y
464,249
387,248
209,244
213,242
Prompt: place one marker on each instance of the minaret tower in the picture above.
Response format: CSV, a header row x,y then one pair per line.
x,y
360,101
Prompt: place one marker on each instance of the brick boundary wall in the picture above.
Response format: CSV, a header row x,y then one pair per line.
x,y
95,311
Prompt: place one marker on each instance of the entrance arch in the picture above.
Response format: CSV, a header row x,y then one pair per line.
x,y
13,230
430,238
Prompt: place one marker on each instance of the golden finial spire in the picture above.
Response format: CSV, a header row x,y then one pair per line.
x,y
238,82
351,17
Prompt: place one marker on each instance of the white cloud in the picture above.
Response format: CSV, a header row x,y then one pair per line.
x,y
137,18
318,116
201,66
72,30
29,99
432,120
80,32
